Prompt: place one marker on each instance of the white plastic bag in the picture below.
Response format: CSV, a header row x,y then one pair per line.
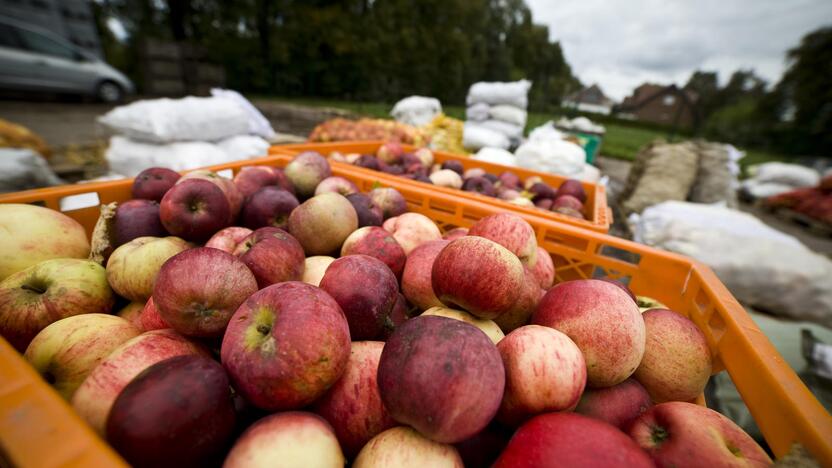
x,y
496,156
257,123
475,136
761,266
794,175
171,120
478,112
507,129
244,147
509,114
24,169
514,93
553,156
545,132
416,110
756,189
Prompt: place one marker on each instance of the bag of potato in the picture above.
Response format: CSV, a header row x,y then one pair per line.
x,y
661,172
716,180
13,135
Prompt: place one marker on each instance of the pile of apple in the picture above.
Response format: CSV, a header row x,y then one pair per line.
x,y
255,345
340,129
568,199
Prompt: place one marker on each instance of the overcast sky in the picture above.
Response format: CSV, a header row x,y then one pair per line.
x,y
621,44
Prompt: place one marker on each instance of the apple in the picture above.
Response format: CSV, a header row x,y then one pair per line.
x,y
441,376
369,214
507,194
250,179
286,346
404,447
336,184
473,172
543,269
446,178
132,312
390,152
54,289
542,190
314,268
368,161
353,406
521,312
567,201
96,395
483,448
530,181
136,218
273,255
178,412
491,178
132,267
603,321
400,314
677,361
391,202
569,439
455,233
234,196
322,223
306,171
195,209
198,290
425,156
417,275
376,242
66,351
487,326
566,211
512,232
30,234
479,185
294,439
478,275
412,230
453,165
150,318
544,203
622,286
646,303
574,188
153,182
545,372
618,405
269,206
228,238
509,179
670,432
366,289
522,201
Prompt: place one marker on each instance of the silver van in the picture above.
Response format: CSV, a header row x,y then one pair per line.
x,y
33,59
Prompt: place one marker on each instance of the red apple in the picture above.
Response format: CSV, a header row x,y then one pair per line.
x,y
441,376
269,206
369,214
199,289
322,223
416,276
544,203
286,346
392,202
291,439
314,268
455,233
479,185
132,312
473,172
568,439
234,196
336,184
543,269
366,160
618,405
33,298
603,321
453,165
510,180
425,156
250,179
153,182
404,447
510,231
273,255
228,239
94,398
545,372
178,412
376,242
530,181
353,406
483,448
136,218
687,435
195,209
478,275
306,171
622,286
366,289
677,361
412,230
541,190
521,312
390,152
567,201
574,188
400,314
564,210
150,318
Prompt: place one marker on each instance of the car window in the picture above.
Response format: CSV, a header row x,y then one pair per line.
x,y
41,44
8,38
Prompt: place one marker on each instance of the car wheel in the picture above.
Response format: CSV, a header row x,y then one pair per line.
x,y
109,92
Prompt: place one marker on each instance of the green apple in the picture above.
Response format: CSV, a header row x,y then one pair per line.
x,y
132,268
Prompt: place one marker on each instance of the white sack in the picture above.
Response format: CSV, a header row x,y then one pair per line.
x,y
170,120
24,169
553,156
507,129
258,124
514,93
509,114
416,110
761,266
545,132
794,175
244,147
478,112
475,136
589,173
756,189
496,156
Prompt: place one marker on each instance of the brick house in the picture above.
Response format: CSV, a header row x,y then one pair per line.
x,y
668,105
590,99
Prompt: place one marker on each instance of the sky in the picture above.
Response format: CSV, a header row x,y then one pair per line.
x,y
621,44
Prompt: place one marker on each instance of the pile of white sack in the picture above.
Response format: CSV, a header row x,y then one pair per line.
x,y
496,114
761,266
774,178
580,124
416,110
185,133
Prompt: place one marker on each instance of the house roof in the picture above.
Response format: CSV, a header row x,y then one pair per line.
x,y
589,95
649,91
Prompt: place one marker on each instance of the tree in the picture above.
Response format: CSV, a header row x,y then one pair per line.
x,y
706,86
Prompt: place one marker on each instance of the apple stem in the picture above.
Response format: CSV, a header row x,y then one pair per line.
x,y
33,289
264,329
658,434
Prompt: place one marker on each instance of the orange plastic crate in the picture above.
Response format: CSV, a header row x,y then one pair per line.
x,y
599,215
783,407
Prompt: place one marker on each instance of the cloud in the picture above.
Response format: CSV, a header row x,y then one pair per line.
x,y
620,45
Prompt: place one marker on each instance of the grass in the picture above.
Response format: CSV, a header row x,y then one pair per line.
x,y
620,141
